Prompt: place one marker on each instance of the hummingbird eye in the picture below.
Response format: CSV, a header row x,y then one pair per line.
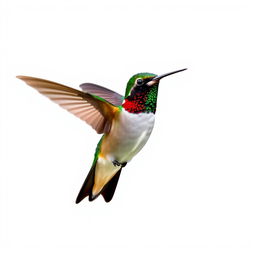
x,y
139,81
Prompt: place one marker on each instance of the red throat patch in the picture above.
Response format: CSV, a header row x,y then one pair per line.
x,y
133,106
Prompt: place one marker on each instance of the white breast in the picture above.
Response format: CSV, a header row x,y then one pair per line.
x,y
128,135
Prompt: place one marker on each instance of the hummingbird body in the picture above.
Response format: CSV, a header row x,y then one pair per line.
x,y
125,121
128,135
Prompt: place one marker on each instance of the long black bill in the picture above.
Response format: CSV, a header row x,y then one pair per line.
x,y
156,79
168,74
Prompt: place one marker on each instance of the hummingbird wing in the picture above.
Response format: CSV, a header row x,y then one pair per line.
x,y
105,93
92,109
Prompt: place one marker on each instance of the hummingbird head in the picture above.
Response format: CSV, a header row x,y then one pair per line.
x,y
137,83
141,92
143,81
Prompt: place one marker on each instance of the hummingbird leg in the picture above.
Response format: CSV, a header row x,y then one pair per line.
x,y
116,163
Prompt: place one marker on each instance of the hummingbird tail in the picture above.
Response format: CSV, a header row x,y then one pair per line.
x,y
107,191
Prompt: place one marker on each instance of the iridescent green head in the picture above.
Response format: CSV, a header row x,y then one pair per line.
x,y
145,80
141,92
138,80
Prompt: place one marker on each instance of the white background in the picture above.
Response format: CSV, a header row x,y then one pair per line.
x,y
192,189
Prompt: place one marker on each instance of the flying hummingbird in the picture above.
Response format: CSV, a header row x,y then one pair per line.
x,y
126,123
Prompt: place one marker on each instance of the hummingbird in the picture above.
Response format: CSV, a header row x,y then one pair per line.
x,y
126,123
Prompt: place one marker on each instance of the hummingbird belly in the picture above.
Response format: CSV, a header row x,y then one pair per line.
x,y
128,134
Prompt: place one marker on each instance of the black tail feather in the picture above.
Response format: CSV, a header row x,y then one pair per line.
x,y
109,189
86,189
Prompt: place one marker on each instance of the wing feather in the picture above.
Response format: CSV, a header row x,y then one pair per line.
x,y
95,111
105,93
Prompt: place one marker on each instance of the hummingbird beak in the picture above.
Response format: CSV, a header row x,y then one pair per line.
x,y
156,79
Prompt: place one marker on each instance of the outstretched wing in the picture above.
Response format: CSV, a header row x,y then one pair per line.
x,y
107,94
90,108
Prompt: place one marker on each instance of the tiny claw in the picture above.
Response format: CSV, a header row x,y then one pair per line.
x,y
116,163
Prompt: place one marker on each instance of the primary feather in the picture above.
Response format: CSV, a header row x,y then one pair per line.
x,y
95,111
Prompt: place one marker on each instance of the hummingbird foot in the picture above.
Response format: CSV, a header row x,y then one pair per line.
x,y
116,163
